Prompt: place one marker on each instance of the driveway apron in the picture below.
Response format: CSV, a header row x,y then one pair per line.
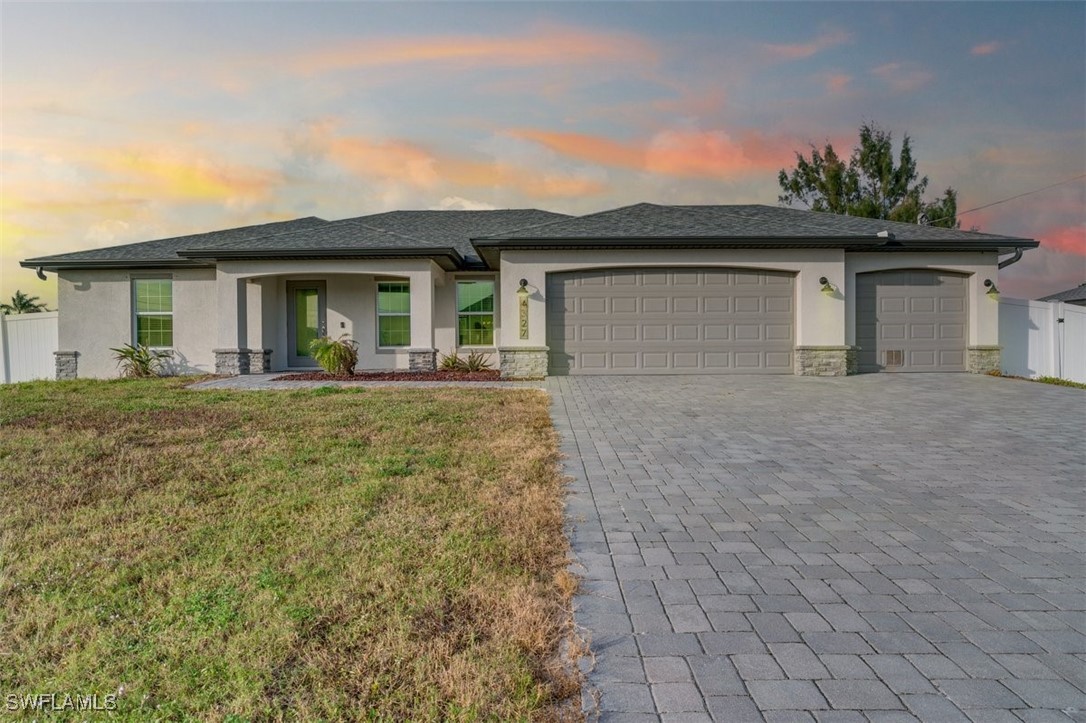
x,y
870,548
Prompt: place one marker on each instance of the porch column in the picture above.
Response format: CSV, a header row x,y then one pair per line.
x,y
232,355
422,356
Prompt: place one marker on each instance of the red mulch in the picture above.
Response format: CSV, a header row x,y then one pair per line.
x,y
489,375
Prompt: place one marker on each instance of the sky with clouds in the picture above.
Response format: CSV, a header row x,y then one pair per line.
x,y
128,122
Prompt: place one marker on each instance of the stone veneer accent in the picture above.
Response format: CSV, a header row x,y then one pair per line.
x,y
523,362
984,359
67,364
422,360
825,361
235,362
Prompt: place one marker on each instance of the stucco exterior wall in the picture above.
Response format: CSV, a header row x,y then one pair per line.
x,y
96,314
819,318
978,266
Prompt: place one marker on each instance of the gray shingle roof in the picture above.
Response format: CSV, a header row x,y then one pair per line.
x,y
1070,295
649,220
457,228
165,250
335,238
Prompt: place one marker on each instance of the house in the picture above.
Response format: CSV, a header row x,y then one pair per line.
x,y
643,289
1076,296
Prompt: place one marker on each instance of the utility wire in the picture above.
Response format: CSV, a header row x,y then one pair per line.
x,y
1020,195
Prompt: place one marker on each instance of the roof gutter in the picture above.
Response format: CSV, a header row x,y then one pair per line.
x,y
450,256
1013,259
55,266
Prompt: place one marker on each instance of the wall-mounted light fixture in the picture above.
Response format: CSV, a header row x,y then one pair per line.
x,y
523,292
992,292
827,288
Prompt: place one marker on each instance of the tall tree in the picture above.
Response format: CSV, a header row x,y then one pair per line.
x,y
870,185
22,304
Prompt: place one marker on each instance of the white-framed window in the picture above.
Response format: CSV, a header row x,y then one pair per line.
x,y
475,312
393,313
152,312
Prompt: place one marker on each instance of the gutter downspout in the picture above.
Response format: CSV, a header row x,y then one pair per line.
x,y
1012,260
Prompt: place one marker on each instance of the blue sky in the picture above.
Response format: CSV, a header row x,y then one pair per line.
x,y
125,122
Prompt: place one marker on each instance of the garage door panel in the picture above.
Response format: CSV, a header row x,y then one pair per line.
x,y
671,321
911,320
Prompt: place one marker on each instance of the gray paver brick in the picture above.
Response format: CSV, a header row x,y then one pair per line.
x,y
863,695
786,695
731,510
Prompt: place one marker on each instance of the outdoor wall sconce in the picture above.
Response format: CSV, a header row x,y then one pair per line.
x,y
993,292
827,288
522,304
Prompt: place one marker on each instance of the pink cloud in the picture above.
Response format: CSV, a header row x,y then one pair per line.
x,y
680,153
986,48
902,77
550,46
1066,239
798,51
838,82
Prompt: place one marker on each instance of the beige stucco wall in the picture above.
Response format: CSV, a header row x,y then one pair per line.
x,y
96,314
819,318
978,266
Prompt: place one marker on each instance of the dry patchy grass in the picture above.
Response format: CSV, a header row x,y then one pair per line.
x,y
320,554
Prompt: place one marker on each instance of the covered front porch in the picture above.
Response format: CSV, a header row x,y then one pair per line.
x,y
270,310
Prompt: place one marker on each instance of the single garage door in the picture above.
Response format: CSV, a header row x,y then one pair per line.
x,y
911,321
670,321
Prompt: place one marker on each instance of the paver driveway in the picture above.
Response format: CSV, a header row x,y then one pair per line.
x,y
882,547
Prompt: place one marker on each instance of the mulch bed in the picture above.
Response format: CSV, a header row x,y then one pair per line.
x,y
489,375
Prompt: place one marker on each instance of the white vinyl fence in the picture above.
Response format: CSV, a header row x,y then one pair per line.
x,y
27,343
1043,339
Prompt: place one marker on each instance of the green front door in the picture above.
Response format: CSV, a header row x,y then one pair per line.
x,y
305,320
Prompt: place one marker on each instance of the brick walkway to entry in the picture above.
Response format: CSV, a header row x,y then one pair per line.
x,y
873,548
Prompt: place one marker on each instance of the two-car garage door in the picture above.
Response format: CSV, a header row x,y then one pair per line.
x,y
670,321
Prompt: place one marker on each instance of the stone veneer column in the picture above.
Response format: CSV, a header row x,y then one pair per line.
x,y
232,362
259,361
984,359
67,364
523,362
825,361
421,360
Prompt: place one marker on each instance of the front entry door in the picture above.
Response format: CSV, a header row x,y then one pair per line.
x,y
305,320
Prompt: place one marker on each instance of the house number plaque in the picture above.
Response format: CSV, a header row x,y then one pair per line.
x,y
523,303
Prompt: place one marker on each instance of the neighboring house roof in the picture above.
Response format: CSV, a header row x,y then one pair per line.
x,y
163,252
470,239
1071,296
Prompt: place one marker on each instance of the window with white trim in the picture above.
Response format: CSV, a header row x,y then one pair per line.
x,y
475,312
152,311
393,313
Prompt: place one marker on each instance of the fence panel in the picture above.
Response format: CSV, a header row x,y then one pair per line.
x,y
1042,338
27,343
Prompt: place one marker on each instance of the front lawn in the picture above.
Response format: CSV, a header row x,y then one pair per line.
x,y
328,553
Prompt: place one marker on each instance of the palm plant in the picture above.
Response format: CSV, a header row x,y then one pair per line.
x,y
336,356
22,304
137,361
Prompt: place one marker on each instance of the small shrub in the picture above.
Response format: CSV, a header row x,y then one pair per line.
x,y
451,362
139,361
1059,381
336,356
476,361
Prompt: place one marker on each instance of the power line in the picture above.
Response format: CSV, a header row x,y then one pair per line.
x,y
1020,195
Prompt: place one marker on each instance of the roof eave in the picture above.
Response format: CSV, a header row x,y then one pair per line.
x,y
54,266
448,258
489,248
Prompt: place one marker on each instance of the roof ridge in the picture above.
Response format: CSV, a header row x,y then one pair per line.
x,y
340,222
569,217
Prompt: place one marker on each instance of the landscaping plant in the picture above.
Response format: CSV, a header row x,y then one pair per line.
x,y
336,356
139,361
476,361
